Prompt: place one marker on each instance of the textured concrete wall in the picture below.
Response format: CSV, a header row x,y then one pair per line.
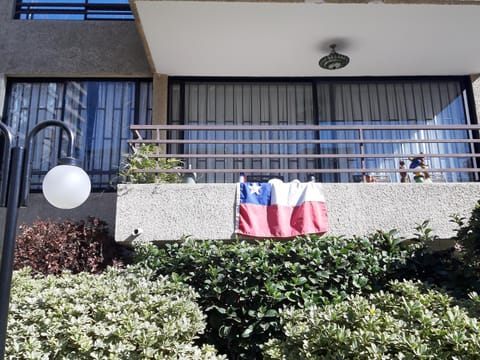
x,y
69,48
207,211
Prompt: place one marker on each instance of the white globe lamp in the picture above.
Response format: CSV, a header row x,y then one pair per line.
x,y
66,186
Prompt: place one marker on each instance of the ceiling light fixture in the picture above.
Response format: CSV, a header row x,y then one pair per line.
x,y
334,60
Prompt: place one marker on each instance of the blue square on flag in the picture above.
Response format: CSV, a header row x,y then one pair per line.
x,y
255,193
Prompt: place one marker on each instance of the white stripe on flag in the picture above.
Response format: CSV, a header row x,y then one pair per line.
x,y
295,193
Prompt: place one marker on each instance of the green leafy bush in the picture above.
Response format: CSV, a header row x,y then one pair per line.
x,y
118,314
440,268
468,240
141,159
50,248
408,322
456,269
243,285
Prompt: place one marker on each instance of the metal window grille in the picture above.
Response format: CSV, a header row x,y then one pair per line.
x,y
72,10
100,112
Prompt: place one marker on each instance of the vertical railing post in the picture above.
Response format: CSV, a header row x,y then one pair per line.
x,y
473,148
362,152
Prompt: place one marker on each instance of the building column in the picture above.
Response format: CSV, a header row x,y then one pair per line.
x,y
160,99
476,93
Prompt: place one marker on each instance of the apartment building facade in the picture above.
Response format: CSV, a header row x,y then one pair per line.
x,y
102,70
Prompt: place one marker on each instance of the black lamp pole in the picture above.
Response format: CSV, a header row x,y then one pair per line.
x,y
17,166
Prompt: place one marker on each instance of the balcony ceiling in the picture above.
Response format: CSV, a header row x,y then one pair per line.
x,y
202,38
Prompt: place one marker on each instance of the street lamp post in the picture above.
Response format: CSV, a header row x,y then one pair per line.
x,y
65,186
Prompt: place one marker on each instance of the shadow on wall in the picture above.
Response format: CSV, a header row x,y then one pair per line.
x,y
99,205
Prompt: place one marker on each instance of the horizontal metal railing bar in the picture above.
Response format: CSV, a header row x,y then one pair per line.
x,y
302,127
305,171
306,127
72,12
309,156
299,141
75,5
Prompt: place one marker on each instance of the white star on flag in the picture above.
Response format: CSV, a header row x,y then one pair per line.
x,y
254,188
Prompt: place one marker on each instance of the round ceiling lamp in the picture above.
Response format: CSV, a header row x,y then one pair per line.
x,y
334,60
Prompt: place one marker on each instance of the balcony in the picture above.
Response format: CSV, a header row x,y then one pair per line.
x,y
206,210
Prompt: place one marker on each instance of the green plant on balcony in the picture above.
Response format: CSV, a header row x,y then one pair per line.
x,y
144,158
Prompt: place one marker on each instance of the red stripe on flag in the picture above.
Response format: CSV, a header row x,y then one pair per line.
x,y
283,221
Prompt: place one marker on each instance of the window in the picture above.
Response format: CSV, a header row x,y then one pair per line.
x,y
73,10
396,102
99,112
400,101
244,103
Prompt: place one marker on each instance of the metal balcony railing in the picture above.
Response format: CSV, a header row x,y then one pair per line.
x,y
76,10
380,146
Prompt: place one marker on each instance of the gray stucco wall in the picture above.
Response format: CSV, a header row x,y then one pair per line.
x,y
207,211
69,48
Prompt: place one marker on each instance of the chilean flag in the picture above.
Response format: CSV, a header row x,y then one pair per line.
x,y
281,210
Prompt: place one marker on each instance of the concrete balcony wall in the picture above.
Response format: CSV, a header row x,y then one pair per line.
x,y
207,211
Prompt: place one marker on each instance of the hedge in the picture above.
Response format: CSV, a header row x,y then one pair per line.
x,y
119,314
410,321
